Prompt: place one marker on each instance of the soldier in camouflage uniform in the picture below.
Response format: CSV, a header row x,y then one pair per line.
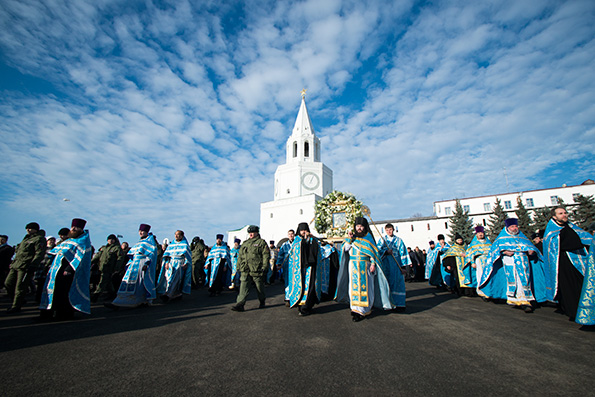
x,y
110,259
198,261
29,254
253,263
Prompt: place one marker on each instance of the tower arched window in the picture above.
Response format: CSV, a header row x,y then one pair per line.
x,y
295,149
306,149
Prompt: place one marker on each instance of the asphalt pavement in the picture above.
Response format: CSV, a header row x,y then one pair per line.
x,y
441,345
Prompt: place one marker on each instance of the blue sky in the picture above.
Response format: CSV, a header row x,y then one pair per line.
x,y
176,114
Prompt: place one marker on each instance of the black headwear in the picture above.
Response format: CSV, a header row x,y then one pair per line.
x,y
360,220
303,226
458,236
32,225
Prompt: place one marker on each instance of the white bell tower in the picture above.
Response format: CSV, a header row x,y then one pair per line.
x,y
299,183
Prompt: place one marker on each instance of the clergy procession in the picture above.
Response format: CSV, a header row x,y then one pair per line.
x,y
367,273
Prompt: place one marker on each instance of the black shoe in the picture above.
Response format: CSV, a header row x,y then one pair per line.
x,y
164,298
287,304
94,298
528,309
110,305
13,310
356,317
262,305
399,309
304,312
238,308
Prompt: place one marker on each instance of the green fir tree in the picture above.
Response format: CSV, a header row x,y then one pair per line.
x,y
460,223
524,217
540,219
496,221
583,213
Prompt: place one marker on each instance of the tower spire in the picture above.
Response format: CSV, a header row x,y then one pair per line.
x,y
303,125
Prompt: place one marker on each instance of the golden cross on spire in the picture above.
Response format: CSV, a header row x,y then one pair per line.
x,y
303,92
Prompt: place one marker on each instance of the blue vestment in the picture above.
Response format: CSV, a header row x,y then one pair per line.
x,y
582,260
217,253
477,254
77,252
176,277
327,250
138,284
355,279
283,260
519,278
434,258
299,278
391,266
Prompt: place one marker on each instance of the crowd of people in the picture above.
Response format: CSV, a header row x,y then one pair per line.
x,y
67,275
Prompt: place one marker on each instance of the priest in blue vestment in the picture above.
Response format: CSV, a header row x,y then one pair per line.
x,y
283,261
393,259
361,281
216,265
477,255
438,276
570,268
514,269
175,277
304,271
67,284
138,285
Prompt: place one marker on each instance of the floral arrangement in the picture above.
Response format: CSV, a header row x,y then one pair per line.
x,y
336,202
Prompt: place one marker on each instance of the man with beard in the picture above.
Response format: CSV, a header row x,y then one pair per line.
x,y
456,264
235,273
305,265
253,262
138,285
477,255
176,271
514,269
29,254
394,258
283,260
437,273
67,285
429,266
361,280
109,257
570,268
216,265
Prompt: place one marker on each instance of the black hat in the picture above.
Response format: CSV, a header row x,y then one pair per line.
x,y
144,227
458,236
303,226
32,225
112,237
219,237
440,237
253,229
64,231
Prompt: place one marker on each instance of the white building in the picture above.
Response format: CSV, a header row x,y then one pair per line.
x,y
419,231
299,183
